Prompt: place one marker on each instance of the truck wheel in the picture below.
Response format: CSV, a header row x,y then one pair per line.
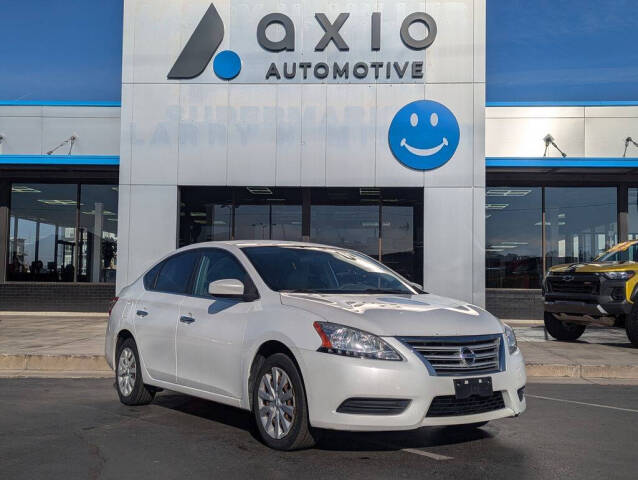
x,y
565,332
631,325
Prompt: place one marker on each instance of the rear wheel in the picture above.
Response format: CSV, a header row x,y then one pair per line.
x,y
566,332
128,376
279,405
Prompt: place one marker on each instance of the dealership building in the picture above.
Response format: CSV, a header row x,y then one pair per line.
x,y
467,144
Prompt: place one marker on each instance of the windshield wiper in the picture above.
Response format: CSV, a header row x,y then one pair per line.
x,y
383,291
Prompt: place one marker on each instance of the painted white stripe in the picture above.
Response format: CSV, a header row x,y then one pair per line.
x,y
583,403
416,451
423,453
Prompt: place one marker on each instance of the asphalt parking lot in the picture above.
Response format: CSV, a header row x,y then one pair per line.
x,y
76,428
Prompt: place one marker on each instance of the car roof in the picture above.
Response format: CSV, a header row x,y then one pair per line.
x,y
258,243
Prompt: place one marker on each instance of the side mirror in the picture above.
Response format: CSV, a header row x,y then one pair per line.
x,y
417,286
226,288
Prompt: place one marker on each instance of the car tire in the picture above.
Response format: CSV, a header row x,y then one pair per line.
x,y
631,326
128,376
565,332
281,420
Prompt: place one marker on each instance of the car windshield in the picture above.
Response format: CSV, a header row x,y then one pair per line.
x,y
300,269
620,253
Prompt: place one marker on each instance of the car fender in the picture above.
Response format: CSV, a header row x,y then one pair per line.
x,y
300,335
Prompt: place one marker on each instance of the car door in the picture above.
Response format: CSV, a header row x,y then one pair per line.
x,y
157,313
210,332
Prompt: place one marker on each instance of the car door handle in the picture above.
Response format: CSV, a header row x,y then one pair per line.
x,y
186,319
141,313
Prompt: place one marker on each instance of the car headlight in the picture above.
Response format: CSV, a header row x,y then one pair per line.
x,y
618,275
351,342
510,338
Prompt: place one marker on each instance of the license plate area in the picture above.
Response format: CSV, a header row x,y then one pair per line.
x,y
466,387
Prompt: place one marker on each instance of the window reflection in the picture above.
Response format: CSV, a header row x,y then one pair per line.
x,y
98,233
345,217
348,226
43,237
581,223
513,232
632,216
42,233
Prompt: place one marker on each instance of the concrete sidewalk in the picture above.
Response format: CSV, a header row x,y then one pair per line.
x,y
65,345
73,346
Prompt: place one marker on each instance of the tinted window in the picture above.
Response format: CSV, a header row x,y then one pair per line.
x,y
176,272
218,265
580,223
323,270
513,236
149,278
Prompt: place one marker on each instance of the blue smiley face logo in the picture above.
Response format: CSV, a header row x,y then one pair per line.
x,y
424,135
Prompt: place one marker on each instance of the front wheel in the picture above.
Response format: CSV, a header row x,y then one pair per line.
x,y
566,332
279,405
128,376
631,326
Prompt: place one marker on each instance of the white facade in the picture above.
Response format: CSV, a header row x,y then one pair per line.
x,y
580,131
36,130
254,132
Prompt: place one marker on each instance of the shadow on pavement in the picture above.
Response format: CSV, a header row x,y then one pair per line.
x,y
329,440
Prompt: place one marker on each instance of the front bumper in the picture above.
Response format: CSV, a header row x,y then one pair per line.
x,y
608,298
331,379
595,309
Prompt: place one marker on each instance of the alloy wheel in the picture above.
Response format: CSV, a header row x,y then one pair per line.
x,y
126,371
276,402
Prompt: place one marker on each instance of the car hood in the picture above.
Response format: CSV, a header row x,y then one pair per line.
x,y
594,267
398,315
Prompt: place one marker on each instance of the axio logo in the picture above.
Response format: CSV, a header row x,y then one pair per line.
x,y
201,47
424,135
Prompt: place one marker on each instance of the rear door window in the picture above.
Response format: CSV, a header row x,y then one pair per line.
x,y
176,273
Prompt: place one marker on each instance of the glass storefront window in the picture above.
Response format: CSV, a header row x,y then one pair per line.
x,y
348,226
98,233
346,217
241,213
44,238
513,233
580,223
401,231
42,233
632,214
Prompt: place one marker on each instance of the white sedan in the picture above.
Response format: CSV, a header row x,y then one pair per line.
x,y
305,336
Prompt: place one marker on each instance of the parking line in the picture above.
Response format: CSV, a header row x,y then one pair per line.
x,y
583,403
416,451
423,453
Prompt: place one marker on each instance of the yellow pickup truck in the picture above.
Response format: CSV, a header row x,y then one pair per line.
x,y
603,292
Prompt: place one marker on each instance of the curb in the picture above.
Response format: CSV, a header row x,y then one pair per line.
x,y
32,363
582,371
25,365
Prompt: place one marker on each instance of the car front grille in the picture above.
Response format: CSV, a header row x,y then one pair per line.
x,y
459,356
587,284
450,406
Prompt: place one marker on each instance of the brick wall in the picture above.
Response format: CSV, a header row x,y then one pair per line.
x,y
514,303
55,297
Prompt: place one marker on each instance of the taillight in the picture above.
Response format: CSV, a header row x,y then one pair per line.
x,y
113,302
